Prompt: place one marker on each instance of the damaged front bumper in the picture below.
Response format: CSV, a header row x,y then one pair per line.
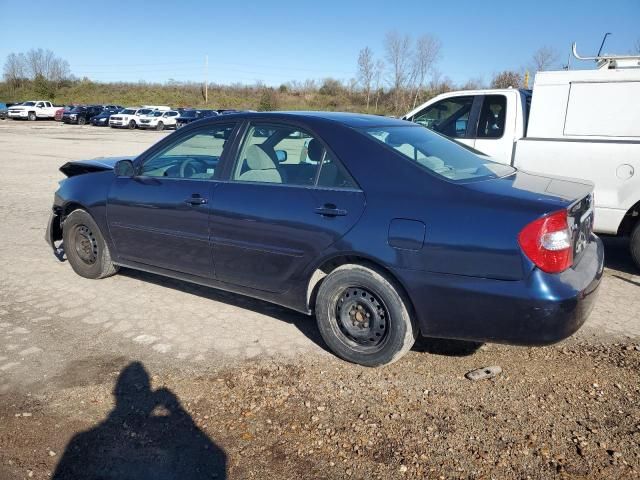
x,y
54,231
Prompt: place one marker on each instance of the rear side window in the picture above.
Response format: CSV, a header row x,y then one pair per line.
x,y
438,155
492,117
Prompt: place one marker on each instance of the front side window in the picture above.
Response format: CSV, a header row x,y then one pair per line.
x,y
195,157
449,117
492,117
438,155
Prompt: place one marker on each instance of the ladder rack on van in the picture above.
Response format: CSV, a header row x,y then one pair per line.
x,y
611,61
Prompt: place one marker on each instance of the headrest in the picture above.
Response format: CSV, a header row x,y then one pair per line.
x,y
394,140
257,158
315,150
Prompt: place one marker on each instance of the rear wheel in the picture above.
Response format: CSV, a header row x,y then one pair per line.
x,y
635,244
85,247
363,316
32,116
132,124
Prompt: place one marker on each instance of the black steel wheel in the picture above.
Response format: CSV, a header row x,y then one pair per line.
x,y
84,246
364,316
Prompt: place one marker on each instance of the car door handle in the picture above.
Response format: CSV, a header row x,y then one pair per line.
x,y
330,210
196,200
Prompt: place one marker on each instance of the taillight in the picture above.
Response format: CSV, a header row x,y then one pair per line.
x,y
547,242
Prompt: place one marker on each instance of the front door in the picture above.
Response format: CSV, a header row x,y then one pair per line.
x,y
160,216
286,200
489,137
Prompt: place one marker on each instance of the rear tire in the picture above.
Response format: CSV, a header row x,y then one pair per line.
x,y
634,244
85,247
132,125
363,316
32,116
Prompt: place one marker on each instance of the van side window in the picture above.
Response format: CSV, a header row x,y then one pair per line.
x,y
492,117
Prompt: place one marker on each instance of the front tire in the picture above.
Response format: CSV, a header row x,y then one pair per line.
x,y
132,125
634,244
32,116
82,121
363,316
160,126
85,247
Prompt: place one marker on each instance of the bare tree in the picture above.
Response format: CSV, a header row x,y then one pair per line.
x,y
473,84
427,52
14,70
507,79
366,71
398,55
377,80
44,64
544,58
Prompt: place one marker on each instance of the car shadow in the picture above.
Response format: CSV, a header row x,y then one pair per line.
x,y
617,255
148,435
305,324
446,347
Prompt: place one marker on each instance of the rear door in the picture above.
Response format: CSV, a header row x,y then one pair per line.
x,y
285,200
160,216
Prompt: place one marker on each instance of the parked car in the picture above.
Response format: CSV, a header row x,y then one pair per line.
x,y
395,230
59,113
128,117
159,120
577,123
188,116
4,111
81,114
33,110
102,119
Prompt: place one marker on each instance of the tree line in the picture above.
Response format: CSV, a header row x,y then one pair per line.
x,y
402,77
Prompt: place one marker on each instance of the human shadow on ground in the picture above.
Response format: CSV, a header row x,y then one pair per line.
x,y
148,435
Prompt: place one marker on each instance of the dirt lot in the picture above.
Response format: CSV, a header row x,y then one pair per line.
x,y
170,380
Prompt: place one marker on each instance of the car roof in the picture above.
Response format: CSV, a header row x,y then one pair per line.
x,y
347,119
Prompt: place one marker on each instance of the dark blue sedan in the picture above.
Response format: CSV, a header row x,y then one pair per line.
x,y
381,228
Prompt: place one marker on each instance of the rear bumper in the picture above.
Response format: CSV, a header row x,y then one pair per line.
x,y
540,310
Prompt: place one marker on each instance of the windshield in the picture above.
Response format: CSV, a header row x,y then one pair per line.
x,y
128,111
437,154
157,114
189,113
144,111
78,109
28,104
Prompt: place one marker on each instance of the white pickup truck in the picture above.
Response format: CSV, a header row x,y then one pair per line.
x,y
33,110
576,123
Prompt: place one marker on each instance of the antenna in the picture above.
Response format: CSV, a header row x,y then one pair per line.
x,y
604,39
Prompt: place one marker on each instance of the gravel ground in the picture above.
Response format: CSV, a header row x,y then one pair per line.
x,y
242,389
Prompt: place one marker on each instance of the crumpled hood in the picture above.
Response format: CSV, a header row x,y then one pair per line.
x,y
71,169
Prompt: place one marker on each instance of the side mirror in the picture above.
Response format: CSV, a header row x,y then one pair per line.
x,y
124,168
281,155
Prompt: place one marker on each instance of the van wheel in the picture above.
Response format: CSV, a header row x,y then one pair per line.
x,y
363,316
132,124
160,126
635,244
32,116
85,247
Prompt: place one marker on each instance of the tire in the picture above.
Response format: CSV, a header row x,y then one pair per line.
x,y
131,125
85,247
32,116
634,244
160,126
82,121
363,316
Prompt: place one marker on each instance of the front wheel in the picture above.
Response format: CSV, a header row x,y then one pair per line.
x,y
82,121
32,116
363,316
132,124
85,247
634,244
160,126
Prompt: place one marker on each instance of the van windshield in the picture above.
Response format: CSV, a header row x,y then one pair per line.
x,y
438,154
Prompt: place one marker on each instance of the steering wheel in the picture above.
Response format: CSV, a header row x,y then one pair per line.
x,y
190,163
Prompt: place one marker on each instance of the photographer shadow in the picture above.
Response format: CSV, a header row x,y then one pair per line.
x,y
148,435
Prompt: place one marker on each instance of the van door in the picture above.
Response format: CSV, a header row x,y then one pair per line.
x,y
453,116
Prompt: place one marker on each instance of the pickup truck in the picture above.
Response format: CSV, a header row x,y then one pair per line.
x,y
576,123
33,110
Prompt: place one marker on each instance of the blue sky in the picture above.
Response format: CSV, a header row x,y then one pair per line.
x,y
279,41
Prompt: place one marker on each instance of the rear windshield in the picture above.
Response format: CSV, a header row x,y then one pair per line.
x,y
439,155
